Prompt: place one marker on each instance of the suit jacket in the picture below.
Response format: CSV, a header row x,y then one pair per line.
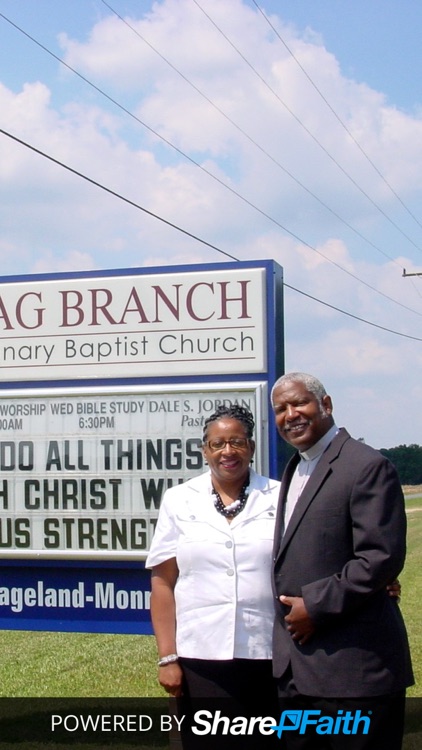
x,y
345,541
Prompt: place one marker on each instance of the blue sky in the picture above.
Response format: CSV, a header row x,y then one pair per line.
x,y
230,139
376,42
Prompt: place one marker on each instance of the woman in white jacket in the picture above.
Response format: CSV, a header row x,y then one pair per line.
x,y
211,604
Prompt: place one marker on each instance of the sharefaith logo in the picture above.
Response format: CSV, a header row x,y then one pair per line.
x,y
345,722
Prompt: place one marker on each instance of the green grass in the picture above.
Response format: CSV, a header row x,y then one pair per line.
x,y
87,665
38,664
74,666
411,582
413,501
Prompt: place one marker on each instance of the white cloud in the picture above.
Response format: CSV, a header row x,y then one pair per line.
x,y
52,220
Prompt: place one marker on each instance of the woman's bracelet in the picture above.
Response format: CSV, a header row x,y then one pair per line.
x,y
170,659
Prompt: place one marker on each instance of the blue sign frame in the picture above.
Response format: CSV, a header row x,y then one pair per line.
x,y
113,596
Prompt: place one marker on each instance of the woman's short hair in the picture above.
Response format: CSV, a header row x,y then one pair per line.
x,y
232,411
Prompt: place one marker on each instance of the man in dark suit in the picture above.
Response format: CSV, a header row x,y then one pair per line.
x,y
340,644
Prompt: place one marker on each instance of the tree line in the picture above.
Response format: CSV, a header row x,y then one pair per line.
x,y
408,461
406,458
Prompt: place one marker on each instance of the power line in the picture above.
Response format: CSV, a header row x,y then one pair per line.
x,y
302,125
249,137
113,192
336,115
351,315
417,273
180,229
206,171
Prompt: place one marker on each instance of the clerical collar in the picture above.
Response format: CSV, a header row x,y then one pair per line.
x,y
316,450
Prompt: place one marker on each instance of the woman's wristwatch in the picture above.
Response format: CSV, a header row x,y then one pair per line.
x,y
170,659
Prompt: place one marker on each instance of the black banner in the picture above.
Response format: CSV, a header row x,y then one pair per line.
x,y
144,723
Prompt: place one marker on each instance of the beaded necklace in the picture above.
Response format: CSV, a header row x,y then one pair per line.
x,y
229,511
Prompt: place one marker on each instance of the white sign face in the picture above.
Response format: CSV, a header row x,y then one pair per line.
x,y
172,324
82,473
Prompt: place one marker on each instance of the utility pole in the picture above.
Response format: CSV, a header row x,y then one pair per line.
x,y
419,273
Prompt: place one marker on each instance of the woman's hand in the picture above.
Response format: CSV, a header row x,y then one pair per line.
x,y
394,589
170,678
163,613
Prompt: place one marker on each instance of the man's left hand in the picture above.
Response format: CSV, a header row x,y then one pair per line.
x,y
299,624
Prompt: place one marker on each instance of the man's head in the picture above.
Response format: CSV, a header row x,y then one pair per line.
x,y
302,409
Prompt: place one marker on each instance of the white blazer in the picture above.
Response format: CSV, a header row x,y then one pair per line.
x,y
224,601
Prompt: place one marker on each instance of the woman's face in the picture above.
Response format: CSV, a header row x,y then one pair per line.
x,y
228,461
